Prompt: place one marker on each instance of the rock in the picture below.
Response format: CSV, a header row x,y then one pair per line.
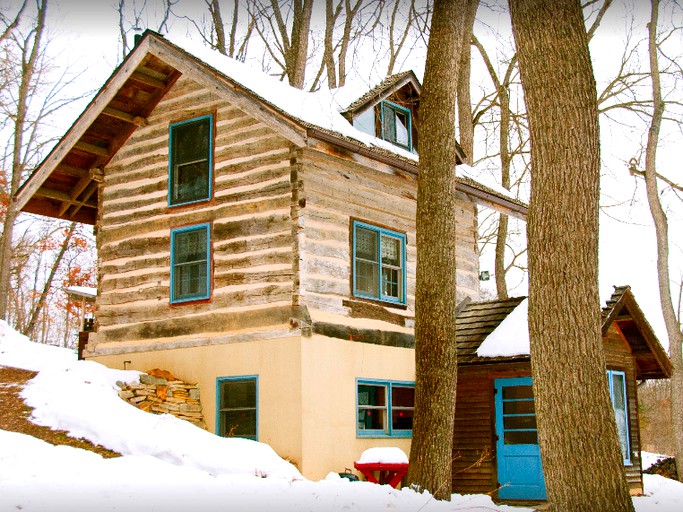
x,y
152,380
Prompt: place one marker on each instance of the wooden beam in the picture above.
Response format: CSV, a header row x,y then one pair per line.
x,y
147,80
124,116
62,196
94,109
70,170
75,192
92,149
89,191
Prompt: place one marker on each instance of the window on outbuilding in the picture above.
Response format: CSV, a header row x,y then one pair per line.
x,y
379,263
396,124
191,161
237,399
384,408
190,263
617,392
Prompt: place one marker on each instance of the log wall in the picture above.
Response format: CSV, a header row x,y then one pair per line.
x,y
249,214
338,191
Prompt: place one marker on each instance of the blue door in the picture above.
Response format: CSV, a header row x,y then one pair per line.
x,y
519,458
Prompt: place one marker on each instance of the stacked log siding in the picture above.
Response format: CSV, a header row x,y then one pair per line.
x,y
249,212
338,191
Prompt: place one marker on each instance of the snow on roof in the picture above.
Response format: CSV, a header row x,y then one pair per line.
x,y
511,337
83,291
321,108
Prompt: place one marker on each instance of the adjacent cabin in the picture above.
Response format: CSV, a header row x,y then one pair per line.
x,y
495,445
258,240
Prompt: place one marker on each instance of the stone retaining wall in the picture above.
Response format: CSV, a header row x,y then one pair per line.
x,y
160,392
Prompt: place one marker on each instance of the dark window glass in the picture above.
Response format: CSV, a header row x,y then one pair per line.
x,y
237,413
191,154
189,263
396,124
379,267
521,437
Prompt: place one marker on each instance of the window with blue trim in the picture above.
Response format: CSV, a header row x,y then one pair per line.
x,y
617,392
396,124
190,263
237,399
384,408
191,161
379,257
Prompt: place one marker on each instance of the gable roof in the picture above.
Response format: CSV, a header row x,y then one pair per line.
x,y
478,320
385,88
65,184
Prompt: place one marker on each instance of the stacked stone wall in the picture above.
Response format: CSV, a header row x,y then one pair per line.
x,y
158,391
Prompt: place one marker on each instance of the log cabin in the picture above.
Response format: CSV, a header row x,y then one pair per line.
x,y
495,448
260,241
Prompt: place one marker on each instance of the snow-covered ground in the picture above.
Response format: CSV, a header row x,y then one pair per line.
x,y
169,465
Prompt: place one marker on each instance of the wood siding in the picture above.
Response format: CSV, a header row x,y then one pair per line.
x,y
474,431
618,357
337,191
252,239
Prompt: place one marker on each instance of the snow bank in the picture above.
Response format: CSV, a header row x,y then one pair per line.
x,y
81,398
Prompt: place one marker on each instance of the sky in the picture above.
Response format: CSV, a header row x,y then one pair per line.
x,y
85,40
169,465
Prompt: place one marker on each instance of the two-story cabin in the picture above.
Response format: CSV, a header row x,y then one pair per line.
x,y
258,240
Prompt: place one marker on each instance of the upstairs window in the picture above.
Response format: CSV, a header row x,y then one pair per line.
x,y
379,263
191,161
190,263
617,392
396,124
384,408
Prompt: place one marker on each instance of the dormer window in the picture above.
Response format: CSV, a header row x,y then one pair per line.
x,y
396,124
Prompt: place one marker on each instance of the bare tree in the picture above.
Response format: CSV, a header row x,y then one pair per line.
x,y
435,296
10,24
582,459
30,49
134,20
289,24
659,217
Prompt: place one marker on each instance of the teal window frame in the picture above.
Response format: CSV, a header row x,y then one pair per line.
x,y
220,410
175,297
174,165
380,294
388,114
388,409
612,395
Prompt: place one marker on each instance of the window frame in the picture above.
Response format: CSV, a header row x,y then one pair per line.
x,y
209,256
172,164
380,296
219,410
610,382
388,431
389,106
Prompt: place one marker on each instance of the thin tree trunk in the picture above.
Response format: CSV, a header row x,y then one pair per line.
x,y
465,124
218,28
29,57
296,60
35,314
582,459
435,296
662,234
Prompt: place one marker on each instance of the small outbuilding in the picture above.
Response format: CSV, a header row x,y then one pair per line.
x,y
495,443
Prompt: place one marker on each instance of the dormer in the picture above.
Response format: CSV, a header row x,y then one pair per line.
x,y
389,111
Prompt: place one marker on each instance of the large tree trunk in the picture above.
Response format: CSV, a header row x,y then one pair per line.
x,y
662,233
581,455
435,299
